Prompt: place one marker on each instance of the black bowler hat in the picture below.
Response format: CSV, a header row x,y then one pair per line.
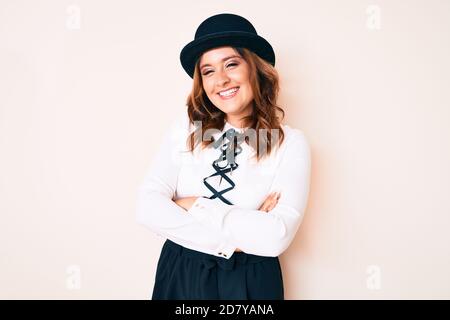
x,y
224,29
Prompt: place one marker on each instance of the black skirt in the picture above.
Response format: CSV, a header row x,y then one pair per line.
x,y
184,274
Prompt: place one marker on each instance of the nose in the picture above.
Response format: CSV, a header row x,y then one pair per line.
x,y
222,79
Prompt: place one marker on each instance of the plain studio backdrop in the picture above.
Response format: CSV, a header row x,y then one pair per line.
x,y
88,88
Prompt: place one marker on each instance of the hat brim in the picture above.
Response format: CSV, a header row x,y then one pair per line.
x,y
193,50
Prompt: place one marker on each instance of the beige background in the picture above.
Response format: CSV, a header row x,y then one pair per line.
x,y
87,89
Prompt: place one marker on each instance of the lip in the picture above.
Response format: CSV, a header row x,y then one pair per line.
x,y
229,97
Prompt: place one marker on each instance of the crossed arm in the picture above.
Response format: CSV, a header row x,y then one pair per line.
x,y
268,204
214,227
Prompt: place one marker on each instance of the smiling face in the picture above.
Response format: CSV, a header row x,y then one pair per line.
x,y
222,69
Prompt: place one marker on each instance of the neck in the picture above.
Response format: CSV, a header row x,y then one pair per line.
x,y
235,123
236,120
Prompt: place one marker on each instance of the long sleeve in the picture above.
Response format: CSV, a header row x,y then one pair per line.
x,y
156,209
259,232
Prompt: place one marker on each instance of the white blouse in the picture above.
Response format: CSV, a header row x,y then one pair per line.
x,y
211,225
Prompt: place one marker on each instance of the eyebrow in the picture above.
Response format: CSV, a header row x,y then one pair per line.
x,y
224,59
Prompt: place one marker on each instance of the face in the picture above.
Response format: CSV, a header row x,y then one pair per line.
x,y
222,69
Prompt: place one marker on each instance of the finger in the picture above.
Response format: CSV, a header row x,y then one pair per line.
x,y
274,202
270,196
270,202
265,203
276,196
265,207
272,205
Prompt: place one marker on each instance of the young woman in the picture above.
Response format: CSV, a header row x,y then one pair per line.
x,y
229,185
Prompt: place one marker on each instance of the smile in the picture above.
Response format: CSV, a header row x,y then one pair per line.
x,y
229,93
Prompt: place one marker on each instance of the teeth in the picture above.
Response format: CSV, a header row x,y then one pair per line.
x,y
229,92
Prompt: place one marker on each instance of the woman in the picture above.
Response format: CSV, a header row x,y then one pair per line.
x,y
211,189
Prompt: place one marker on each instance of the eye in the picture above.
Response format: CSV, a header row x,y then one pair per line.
x,y
231,64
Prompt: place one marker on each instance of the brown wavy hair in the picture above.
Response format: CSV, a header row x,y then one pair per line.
x,y
264,81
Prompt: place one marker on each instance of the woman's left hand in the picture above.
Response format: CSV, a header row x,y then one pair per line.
x,y
186,202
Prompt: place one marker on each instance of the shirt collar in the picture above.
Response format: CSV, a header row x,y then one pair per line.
x,y
229,126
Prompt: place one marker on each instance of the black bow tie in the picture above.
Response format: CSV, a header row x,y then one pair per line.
x,y
230,145
230,149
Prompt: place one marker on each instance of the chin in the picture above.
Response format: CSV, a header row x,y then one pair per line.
x,y
229,106
227,109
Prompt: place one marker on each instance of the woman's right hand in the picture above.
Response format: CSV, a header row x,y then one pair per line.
x,y
270,202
